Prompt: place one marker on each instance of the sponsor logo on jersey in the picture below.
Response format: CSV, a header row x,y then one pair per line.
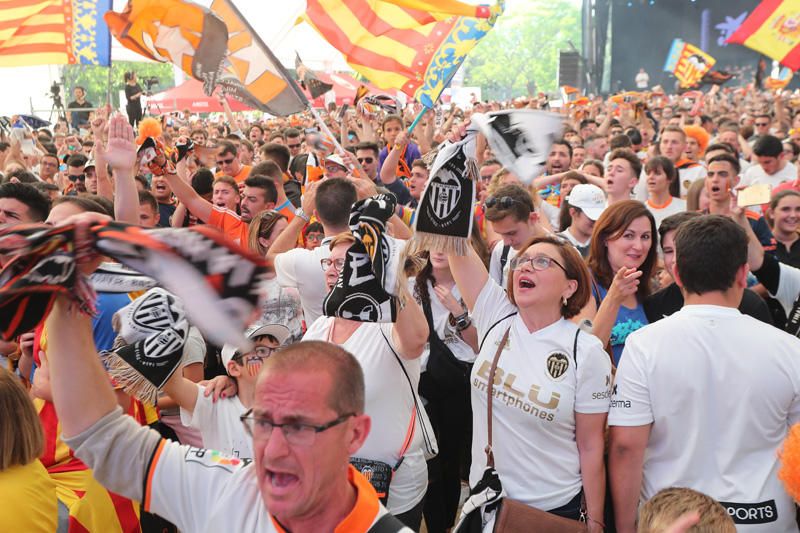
x,y
752,513
215,459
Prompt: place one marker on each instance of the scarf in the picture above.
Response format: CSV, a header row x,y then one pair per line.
x,y
217,280
152,333
361,291
444,214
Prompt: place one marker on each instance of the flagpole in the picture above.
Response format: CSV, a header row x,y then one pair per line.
x,y
356,170
416,120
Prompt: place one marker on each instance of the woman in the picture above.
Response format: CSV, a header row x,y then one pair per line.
x,y
663,189
133,93
264,229
697,197
389,355
452,347
784,212
593,167
27,492
547,421
622,257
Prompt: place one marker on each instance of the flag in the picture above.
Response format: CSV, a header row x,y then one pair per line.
x,y
215,47
309,80
687,62
783,78
520,138
54,32
412,46
773,29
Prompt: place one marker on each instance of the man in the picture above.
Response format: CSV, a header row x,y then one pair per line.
x,y
672,146
246,152
586,203
90,173
642,79
392,126
78,119
294,141
578,156
335,167
773,166
228,163
256,134
48,168
367,156
273,171
416,185
219,421
761,125
259,194
280,155
669,300
588,127
76,177
596,147
622,175
329,201
308,418
704,398
510,210
159,187
22,204
148,210
723,177
559,158
696,142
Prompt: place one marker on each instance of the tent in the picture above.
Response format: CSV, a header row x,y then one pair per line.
x,y
344,87
189,95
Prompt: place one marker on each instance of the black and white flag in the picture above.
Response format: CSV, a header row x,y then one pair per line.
x,y
520,138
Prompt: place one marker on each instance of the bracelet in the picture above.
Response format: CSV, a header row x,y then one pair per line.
x,y
463,324
460,317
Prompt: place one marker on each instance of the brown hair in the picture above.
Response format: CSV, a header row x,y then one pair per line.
x,y
660,511
609,227
632,159
262,225
693,195
575,269
21,435
521,206
228,181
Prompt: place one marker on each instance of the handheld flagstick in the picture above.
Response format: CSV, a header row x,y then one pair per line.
x,y
357,171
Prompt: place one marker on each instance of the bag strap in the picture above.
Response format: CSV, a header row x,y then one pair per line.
x,y
490,390
414,414
387,524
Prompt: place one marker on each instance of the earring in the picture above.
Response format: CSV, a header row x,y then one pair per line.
x,y
564,301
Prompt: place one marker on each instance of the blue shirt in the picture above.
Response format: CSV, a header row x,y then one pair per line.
x,y
628,320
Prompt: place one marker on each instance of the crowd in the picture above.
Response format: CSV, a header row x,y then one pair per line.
x,y
629,321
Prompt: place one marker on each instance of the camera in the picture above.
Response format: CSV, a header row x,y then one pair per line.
x,y
149,82
55,89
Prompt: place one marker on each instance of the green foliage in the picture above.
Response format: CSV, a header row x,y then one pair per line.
x,y
95,80
522,48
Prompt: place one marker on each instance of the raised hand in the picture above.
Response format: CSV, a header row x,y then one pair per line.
x,y
120,151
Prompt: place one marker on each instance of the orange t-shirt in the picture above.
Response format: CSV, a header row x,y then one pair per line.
x,y
231,225
241,176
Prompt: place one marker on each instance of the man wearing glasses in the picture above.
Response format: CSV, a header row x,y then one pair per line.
x,y
307,419
218,421
294,141
228,164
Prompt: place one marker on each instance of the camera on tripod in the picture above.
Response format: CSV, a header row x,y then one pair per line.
x,y
148,83
55,94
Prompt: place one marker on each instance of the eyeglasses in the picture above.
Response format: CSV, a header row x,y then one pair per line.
x,y
338,264
537,262
225,161
292,146
367,160
295,433
315,237
503,202
335,168
762,124
79,177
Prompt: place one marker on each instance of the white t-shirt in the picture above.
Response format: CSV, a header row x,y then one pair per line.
x,y
500,277
301,269
675,205
788,287
219,424
552,213
721,390
539,392
441,323
687,176
755,175
389,403
642,79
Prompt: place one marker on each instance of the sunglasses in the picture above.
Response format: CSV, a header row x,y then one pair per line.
x,y
292,146
367,160
503,202
762,124
79,177
268,224
225,161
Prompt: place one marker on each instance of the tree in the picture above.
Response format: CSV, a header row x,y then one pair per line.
x,y
523,48
95,80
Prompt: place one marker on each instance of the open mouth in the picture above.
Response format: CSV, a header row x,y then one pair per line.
x,y
281,482
715,188
525,283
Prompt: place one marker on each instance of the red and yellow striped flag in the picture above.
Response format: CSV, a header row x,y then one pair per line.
x,y
773,28
411,45
53,32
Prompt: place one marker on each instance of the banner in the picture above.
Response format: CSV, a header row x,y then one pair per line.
x,y
773,29
688,63
54,32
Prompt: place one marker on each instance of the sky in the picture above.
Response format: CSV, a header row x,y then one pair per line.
x,y
27,88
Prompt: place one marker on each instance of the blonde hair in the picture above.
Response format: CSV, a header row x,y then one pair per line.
x,y
660,511
21,435
262,225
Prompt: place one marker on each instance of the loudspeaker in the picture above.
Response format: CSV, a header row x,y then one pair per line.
x,y
569,69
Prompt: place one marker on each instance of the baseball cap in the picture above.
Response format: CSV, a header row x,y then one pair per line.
x,y
279,331
89,164
588,198
336,158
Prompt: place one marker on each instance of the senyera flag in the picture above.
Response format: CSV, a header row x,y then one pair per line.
x,y
773,29
215,46
688,63
51,32
414,46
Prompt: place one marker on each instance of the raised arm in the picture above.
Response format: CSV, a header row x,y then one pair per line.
x,y
197,205
287,239
105,187
389,168
470,274
121,157
410,332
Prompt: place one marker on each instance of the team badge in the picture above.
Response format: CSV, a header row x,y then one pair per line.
x,y
557,364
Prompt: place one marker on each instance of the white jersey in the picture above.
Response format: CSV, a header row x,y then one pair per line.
x,y
496,272
390,404
689,175
537,393
301,269
446,331
788,287
756,175
219,424
674,206
720,390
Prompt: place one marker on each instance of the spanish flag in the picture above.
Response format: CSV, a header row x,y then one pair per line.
x,y
773,28
688,63
415,46
54,32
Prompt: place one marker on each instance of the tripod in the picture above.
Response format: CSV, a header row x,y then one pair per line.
x,y
57,108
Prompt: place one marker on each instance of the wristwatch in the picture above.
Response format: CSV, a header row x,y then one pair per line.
x,y
463,323
302,214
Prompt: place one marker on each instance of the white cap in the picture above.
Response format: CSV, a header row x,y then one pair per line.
x,y
588,198
279,331
336,158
